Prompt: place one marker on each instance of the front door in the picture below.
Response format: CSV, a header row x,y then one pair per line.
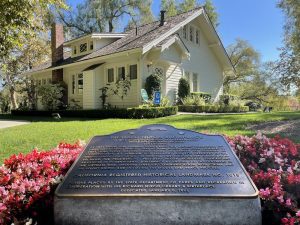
x,y
161,72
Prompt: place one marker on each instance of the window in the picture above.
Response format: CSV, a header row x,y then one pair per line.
x,y
91,45
187,76
191,34
110,75
74,50
195,82
49,81
80,83
44,81
197,37
121,73
184,32
73,84
83,47
159,71
39,82
133,72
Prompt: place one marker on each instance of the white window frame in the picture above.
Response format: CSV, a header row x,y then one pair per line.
x,y
81,49
197,36
192,34
110,68
195,82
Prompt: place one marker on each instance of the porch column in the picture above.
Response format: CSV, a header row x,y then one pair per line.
x,y
89,90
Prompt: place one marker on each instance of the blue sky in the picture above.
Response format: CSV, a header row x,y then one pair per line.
x,y
257,21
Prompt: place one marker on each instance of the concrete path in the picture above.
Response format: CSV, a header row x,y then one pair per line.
x,y
10,123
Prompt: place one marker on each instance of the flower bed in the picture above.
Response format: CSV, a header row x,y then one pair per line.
x,y
27,182
274,166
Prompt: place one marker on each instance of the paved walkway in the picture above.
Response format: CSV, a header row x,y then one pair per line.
x,y
10,123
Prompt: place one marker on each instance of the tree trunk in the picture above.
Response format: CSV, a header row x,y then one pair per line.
x,y
110,26
13,100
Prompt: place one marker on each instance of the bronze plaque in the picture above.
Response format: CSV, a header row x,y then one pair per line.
x,y
157,160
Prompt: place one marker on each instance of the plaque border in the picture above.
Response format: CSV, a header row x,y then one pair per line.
x,y
244,196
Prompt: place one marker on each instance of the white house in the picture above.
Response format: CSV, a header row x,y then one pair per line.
x,y
183,45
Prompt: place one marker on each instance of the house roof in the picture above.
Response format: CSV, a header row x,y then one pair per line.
x,y
95,36
143,37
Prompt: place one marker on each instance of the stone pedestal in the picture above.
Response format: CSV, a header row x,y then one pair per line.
x,y
157,211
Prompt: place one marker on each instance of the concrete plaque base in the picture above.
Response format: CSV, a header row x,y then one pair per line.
x,y
157,210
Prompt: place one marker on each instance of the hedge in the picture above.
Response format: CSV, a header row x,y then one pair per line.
x,y
150,112
212,108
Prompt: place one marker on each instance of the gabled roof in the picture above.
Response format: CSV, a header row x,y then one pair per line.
x,y
143,37
95,36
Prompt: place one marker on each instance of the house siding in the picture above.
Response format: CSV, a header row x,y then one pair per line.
x,y
205,63
173,75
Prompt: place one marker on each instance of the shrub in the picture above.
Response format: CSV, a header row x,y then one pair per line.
x,y
204,95
105,113
226,99
212,108
51,96
193,100
152,112
153,83
183,88
27,183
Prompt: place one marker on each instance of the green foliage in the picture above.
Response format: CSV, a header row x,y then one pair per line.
x,y
187,5
149,112
288,67
204,95
194,100
245,60
153,83
164,102
170,7
4,102
212,108
106,15
211,12
121,87
227,99
20,19
51,96
183,88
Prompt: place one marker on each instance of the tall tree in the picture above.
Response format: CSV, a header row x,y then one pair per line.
x,y
170,6
212,12
245,60
20,19
289,64
174,7
105,15
187,5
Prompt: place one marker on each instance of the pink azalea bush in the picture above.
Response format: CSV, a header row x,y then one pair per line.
x,y
274,166
27,182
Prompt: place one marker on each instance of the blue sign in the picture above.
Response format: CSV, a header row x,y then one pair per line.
x,y
157,97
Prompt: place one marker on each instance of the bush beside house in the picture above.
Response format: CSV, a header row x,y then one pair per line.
x,y
134,113
213,108
27,182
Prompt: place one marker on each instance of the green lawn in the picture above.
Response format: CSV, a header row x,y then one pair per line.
x,y
45,133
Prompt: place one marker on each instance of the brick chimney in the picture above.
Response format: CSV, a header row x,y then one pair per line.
x,y
57,50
